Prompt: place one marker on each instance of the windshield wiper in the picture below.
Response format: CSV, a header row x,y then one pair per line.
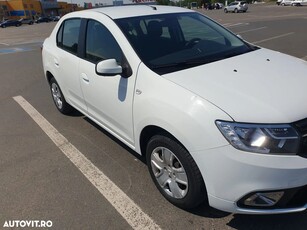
x,y
182,64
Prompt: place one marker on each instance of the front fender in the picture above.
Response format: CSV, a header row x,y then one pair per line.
x,y
188,117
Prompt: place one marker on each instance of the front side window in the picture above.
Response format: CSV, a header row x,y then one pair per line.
x,y
68,35
172,42
100,43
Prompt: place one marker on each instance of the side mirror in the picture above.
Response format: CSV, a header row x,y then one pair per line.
x,y
108,67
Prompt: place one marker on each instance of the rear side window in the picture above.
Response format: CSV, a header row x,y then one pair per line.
x,y
68,35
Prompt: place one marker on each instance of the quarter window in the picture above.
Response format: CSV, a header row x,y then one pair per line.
x,y
68,35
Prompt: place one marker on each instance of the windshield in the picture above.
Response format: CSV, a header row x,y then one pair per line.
x,y
172,42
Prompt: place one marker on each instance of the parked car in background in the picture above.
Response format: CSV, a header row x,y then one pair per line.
x,y
219,5
43,19
236,7
300,2
291,2
10,23
229,137
286,2
55,18
28,21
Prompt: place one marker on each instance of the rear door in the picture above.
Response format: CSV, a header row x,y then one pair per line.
x,y
67,62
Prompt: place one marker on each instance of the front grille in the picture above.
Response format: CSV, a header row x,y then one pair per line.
x,y
302,128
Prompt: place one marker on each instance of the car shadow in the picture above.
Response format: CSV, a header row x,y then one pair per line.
x,y
75,113
270,222
124,146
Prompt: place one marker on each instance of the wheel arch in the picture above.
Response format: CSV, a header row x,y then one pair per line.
x,y
148,132
49,75
151,130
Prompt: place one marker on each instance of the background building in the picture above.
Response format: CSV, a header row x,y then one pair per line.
x,y
24,8
65,8
4,10
50,7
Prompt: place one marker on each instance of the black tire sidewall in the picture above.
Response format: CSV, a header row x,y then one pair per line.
x,y
196,189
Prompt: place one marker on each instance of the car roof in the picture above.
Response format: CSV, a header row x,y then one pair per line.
x,y
116,12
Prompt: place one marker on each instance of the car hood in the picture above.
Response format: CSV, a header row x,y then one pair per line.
x,y
262,86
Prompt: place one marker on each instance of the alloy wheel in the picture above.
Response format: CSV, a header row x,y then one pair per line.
x,y
169,172
57,96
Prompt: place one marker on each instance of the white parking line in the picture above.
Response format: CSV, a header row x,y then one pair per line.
x,y
272,38
130,211
246,31
1,43
236,24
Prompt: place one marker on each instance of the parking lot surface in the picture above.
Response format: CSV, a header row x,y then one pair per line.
x,y
39,181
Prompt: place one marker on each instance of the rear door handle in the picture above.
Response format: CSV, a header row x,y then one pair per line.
x,y
56,63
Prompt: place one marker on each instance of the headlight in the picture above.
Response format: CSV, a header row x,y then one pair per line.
x,y
260,138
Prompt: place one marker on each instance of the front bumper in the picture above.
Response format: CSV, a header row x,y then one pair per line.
x,y
231,174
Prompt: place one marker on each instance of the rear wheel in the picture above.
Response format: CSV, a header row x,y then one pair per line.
x,y
58,98
236,10
174,172
225,10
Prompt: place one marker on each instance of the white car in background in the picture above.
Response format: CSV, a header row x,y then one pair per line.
x,y
183,91
291,2
236,7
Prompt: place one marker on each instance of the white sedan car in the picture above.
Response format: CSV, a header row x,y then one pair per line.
x,y
220,121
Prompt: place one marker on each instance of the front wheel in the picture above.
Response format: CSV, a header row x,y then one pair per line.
x,y
236,10
226,11
58,98
174,172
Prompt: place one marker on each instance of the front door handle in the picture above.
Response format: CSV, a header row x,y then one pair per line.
x,y
85,78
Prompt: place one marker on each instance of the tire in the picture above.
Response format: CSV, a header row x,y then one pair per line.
x,y
174,172
226,11
3,26
58,98
236,10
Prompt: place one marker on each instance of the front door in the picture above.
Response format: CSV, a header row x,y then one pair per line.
x,y
109,98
